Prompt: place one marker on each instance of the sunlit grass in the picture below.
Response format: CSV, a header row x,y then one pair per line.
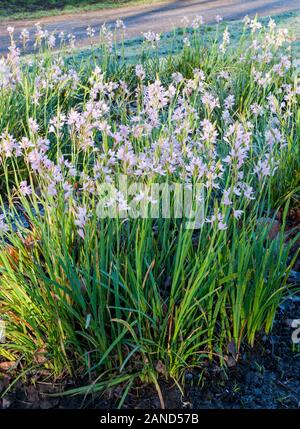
x,y
34,9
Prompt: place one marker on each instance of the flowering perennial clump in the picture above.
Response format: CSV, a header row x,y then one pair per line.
x,y
221,119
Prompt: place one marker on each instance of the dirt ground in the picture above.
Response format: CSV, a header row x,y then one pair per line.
x,y
266,377
159,17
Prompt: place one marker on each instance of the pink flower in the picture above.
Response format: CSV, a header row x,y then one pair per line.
x,y
226,200
222,226
197,22
140,72
33,125
24,188
152,38
120,24
210,101
51,190
248,192
68,190
81,218
10,30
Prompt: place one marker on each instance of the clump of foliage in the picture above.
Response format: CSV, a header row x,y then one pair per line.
x,y
121,298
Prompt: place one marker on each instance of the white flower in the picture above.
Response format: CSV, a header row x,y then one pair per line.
x,y
226,40
224,74
24,35
120,24
229,102
140,72
197,22
237,213
177,77
255,25
90,31
51,41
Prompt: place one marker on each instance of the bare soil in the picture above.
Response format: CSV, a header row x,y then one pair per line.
x,y
266,377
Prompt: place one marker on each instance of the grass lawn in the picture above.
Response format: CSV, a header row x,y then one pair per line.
x,y
22,9
171,42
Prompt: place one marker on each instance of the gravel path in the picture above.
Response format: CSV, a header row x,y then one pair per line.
x,y
159,17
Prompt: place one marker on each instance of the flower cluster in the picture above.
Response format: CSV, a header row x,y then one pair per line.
x,y
185,129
